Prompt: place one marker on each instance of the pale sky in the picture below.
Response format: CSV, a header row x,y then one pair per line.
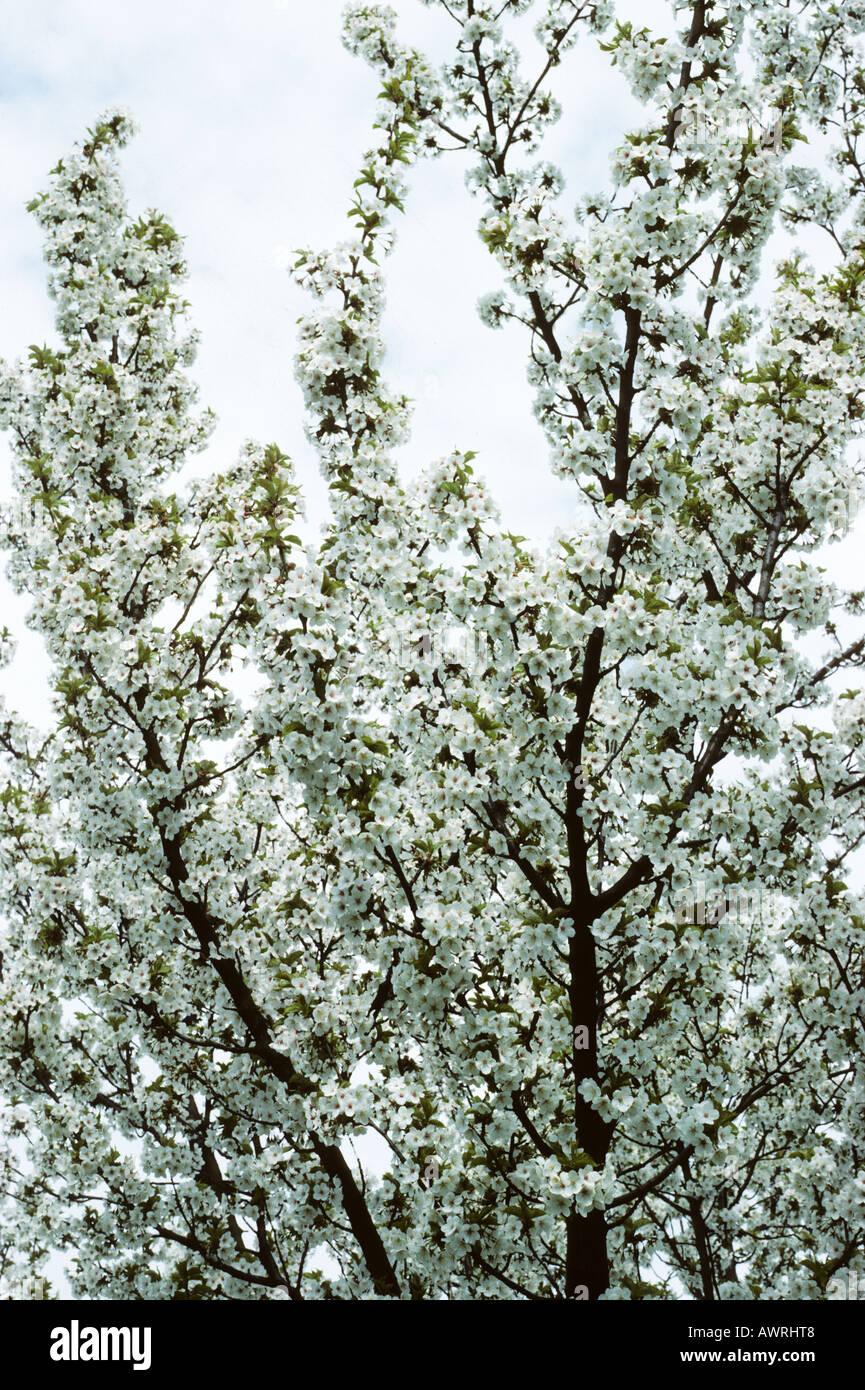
x,y
252,120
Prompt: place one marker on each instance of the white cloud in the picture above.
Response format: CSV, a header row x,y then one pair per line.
x,y
252,121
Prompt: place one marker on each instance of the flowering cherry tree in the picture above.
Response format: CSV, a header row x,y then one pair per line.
x,y
499,905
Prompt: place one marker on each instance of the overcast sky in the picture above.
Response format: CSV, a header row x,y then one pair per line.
x,y
252,122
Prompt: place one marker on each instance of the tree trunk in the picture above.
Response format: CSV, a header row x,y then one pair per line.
x,y
587,1272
